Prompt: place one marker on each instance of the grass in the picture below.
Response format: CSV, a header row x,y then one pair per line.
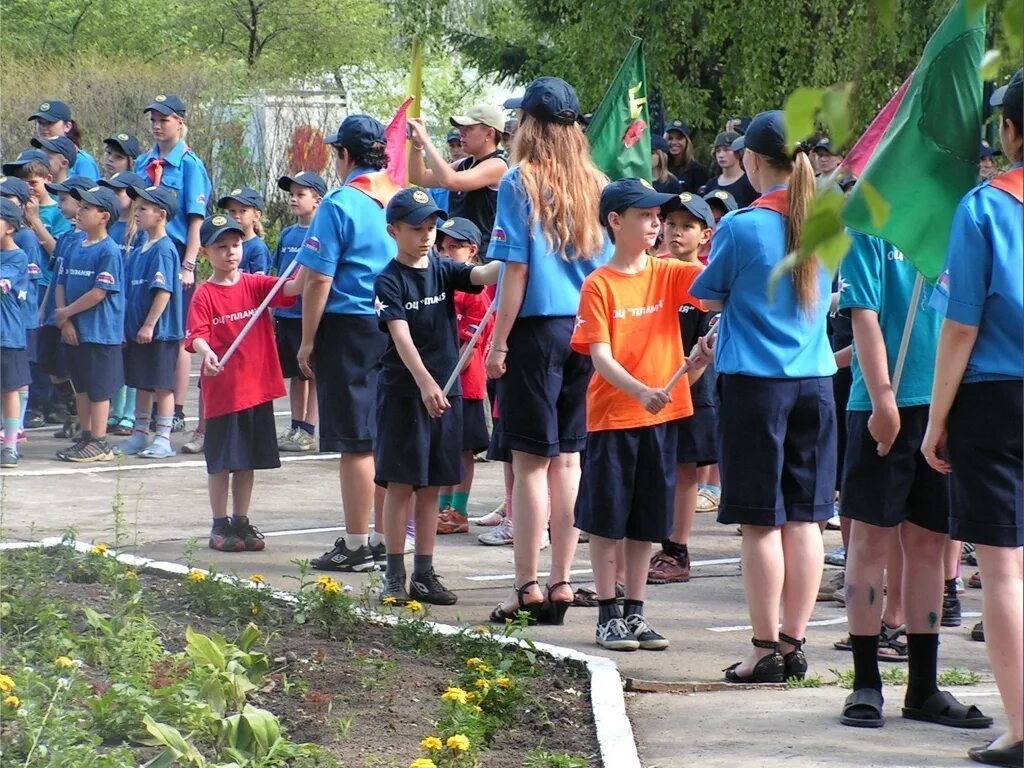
x,y
897,676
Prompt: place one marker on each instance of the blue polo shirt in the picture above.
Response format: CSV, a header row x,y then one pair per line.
x,y
185,173
288,246
255,257
13,296
983,283
348,240
85,165
26,239
552,282
147,271
54,222
66,244
879,278
758,335
98,265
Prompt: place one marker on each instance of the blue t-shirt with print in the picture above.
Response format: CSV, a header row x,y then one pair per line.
x,y
13,296
96,265
288,246
255,257
148,270
26,239
66,244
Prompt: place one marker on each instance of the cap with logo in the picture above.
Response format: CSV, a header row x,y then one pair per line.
x,y
725,139
26,157
358,133
61,145
215,226
167,104
11,213
824,146
695,205
722,199
12,186
123,180
511,126
551,100
481,114
99,197
1010,96
70,183
630,193
244,195
412,206
679,126
304,179
765,135
461,229
164,197
52,112
124,144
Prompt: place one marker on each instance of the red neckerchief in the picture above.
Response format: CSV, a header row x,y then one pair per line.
x,y
777,201
378,186
155,170
1011,182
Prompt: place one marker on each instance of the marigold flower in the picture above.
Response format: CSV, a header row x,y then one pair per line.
x,y
130,575
197,577
6,683
478,710
98,549
473,662
503,682
422,762
321,580
64,662
483,684
471,696
458,742
455,694
431,743
389,601
414,606
257,578
481,630
330,587
12,701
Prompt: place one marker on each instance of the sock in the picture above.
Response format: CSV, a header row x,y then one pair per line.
x,y
23,398
444,500
309,429
376,539
630,607
607,610
922,668
221,524
295,424
421,564
460,500
678,551
396,567
86,435
11,433
117,409
356,540
237,520
129,402
141,422
865,662
179,411
163,428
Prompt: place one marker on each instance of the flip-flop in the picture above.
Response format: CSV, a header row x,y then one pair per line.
x,y
864,701
942,708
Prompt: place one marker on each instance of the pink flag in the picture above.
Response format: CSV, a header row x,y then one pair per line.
x,y
862,151
398,157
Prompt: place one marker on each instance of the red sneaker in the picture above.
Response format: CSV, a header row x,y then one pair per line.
x,y
450,521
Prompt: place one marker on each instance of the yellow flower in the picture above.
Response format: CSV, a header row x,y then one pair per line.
x,y
474,662
389,601
455,694
196,577
330,587
431,743
12,701
470,696
257,579
254,609
503,682
6,683
321,580
477,710
458,742
422,762
64,662
130,575
414,606
483,684
481,630
98,549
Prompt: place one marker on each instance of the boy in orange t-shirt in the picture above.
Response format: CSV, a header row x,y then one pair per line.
x,y
628,323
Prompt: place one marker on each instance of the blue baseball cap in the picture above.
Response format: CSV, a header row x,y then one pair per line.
x,y
12,186
551,100
658,142
630,193
162,196
52,112
765,135
693,204
678,126
824,144
123,180
987,151
11,213
1010,94
358,133
515,102
123,143
722,198
26,157
69,184
244,195
412,206
102,198
215,226
61,145
453,136
167,104
304,179
461,229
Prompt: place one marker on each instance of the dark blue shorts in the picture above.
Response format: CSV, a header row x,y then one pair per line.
x,y
240,441
474,426
288,332
841,384
150,367
628,485
414,449
51,356
777,439
14,369
32,343
346,359
544,390
697,438
985,449
496,450
97,370
885,491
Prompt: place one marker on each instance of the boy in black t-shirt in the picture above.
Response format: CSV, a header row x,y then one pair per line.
x,y
419,429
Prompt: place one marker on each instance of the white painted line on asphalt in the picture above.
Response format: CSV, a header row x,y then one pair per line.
x,y
583,571
94,470
747,628
301,531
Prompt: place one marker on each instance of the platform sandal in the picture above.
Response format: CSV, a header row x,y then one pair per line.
x,y
553,611
795,662
769,669
500,616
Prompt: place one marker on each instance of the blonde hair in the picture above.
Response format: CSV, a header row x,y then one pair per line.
x,y
686,158
662,174
562,185
131,227
800,194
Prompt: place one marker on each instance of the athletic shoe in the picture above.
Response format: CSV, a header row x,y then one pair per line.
x,y
427,588
584,538
226,540
341,558
380,555
960,587
59,415
34,420
449,521
833,523
410,543
494,517
978,632
298,441
951,616
158,449
499,536
968,549
645,635
394,588
196,442
831,585
178,425
284,434
63,452
249,534
615,636
139,441
707,500
8,457
836,557
668,569
88,452
971,559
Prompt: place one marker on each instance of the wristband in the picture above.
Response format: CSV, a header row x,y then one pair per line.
x,y
500,350
188,266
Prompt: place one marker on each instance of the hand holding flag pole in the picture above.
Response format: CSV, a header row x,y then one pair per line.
x,y
690,361
259,311
468,349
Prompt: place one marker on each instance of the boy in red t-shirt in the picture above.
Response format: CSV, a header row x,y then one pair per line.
x,y
629,325
238,399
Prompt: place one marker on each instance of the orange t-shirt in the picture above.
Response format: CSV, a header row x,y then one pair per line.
x,y
638,315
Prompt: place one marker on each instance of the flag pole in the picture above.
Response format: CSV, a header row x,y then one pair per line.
x,y
908,327
259,311
468,349
686,365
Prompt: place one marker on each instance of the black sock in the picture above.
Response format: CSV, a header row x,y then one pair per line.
x,y
678,551
295,423
922,668
396,566
86,434
221,523
629,607
865,662
951,588
306,427
421,564
608,610
236,520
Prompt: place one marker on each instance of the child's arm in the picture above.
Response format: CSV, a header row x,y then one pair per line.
x,y
47,241
160,301
884,422
211,363
85,302
652,399
296,284
510,301
844,356
433,398
487,275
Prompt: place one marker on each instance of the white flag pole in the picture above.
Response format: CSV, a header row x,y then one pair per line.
x,y
686,365
259,311
468,349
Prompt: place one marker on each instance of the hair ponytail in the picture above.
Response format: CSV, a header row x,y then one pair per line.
x,y
131,227
801,193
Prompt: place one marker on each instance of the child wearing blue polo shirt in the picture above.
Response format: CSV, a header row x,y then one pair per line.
x,y
90,314
419,428
119,153
53,120
61,152
14,370
41,211
245,206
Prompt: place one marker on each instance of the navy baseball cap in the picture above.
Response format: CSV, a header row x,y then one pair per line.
x,y
723,198
658,142
12,186
61,145
678,126
462,229
1011,94
986,151
123,180
412,206
551,100
26,157
304,179
162,196
102,198
693,204
823,144
52,112
515,102
215,226
725,139
123,143
358,133
167,104
244,195
11,213
765,135
453,136
70,183
630,193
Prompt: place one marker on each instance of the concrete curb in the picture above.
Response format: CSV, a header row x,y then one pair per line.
x,y
614,731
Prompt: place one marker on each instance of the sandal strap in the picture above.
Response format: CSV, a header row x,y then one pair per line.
x,y
558,584
770,644
798,644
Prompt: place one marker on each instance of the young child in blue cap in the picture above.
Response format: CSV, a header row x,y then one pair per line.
x,y
14,369
53,120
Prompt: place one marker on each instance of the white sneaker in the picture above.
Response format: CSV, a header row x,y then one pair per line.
x,y
707,501
833,524
195,443
298,441
284,435
494,517
499,536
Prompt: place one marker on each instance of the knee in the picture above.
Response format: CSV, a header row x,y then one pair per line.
x,y
869,543
920,543
1000,565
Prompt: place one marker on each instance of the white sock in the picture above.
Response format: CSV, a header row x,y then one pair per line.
x,y
376,539
357,540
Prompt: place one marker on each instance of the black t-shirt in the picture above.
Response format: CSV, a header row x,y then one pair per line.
x,y
478,205
692,177
425,299
741,190
670,186
840,325
694,323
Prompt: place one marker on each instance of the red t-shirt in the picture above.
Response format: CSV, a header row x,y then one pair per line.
x,y
253,374
470,309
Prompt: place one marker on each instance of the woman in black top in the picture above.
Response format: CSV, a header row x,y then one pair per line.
x,y
681,163
732,179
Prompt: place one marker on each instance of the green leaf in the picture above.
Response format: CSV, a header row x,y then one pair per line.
x,y
835,108
1012,22
878,208
800,112
166,735
248,638
990,64
264,725
823,236
164,760
886,12
204,650
212,692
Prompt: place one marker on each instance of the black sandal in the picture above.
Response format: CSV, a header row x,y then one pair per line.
x,y
942,708
553,611
500,616
863,709
795,662
769,669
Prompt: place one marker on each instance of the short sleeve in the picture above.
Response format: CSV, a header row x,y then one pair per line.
x,y
14,269
458,277
716,280
962,288
682,279
260,264
510,235
165,270
195,186
591,320
388,301
198,324
321,250
108,270
860,274
62,276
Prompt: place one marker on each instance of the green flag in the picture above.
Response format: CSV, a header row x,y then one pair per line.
x,y
619,132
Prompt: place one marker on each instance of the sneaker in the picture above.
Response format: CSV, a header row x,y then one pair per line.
x,y
648,639
707,500
968,549
410,543
63,452
978,632
158,449
178,425
285,434
584,537
951,611
380,555
8,457
836,557
139,441
833,523
492,518
195,443
59,415
34,420
615,636
668,569
341,558
394,587
299,441
960,586
226,540
450,521
88,452
250,535
499,536
427,588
